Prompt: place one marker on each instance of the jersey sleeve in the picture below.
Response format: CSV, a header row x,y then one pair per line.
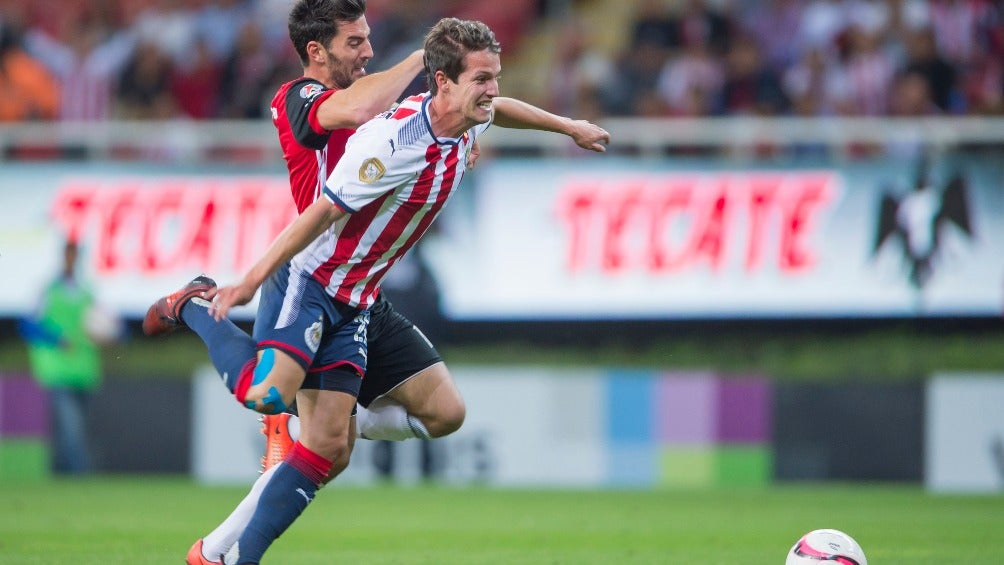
x,y
302,100
371,167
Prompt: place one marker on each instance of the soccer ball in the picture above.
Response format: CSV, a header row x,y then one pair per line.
x,y
831,547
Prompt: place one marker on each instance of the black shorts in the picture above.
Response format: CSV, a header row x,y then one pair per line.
x,y
396,351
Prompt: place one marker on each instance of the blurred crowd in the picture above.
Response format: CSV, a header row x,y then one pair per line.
x,y
790,57
207,59
198,59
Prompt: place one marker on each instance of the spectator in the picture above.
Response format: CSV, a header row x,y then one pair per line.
x,y
689,82
168,26
957,26
773,24
87,65
816,85
653,25
195,84
218,24
247,77
923,60
870,72
983,85
698,22
578,73
635,81
750,87
823,24
144,87
911,96
28,91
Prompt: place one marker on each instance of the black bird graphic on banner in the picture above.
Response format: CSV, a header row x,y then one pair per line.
x,y
918,220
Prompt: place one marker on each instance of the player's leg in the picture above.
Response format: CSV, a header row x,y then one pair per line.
x,y
323,450
431,397
230,348
408,391
336,367
210,549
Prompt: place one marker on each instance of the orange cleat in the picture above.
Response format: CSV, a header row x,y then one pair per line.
x,y
275,427
165,314
195,557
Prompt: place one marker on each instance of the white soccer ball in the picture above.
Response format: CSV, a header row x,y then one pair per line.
x,y
826,547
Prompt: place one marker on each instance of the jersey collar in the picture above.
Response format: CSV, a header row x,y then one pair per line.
x,y
428,125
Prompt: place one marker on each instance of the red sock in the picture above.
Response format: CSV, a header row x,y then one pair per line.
x,y
312,465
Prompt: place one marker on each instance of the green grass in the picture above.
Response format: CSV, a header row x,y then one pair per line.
x,y
153,520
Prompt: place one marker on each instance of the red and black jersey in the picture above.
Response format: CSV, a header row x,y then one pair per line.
x,y
311,151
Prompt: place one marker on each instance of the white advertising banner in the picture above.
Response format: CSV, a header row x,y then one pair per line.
x,y
599,238
630,239
144,231
964,450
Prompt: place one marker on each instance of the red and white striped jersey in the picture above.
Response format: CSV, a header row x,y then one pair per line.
x,y
394,179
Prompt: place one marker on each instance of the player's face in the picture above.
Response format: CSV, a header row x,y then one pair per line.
x,y
477,86
348,53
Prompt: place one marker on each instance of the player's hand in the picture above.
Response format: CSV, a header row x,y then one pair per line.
x,y
588,135
225,298
472,158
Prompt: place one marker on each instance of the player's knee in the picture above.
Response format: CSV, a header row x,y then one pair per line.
x,y
269,385
266,398
336,449
448,420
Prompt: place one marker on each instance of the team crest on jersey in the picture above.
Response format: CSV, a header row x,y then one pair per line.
x,y
312,336
371,170
310,90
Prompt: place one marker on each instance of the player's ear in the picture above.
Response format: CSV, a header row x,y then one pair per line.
x,y
442,81
315,52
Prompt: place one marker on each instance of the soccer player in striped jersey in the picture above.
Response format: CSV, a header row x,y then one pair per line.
x,y
320,279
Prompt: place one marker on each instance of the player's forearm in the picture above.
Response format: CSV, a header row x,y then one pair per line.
x,y
294,238
516,114
370,95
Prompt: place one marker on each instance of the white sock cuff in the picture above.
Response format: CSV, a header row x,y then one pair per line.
x,y
418,428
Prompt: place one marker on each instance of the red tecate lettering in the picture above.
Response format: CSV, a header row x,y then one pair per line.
x,y
575,208
670,224
165,225
763,191
710,228
118,207
669,208
798,211
71,206
621,212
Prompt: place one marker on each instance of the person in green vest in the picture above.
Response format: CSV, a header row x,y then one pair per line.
x,y
65,360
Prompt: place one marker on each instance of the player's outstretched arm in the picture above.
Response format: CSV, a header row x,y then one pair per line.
x,y
513,113
294,238
370,95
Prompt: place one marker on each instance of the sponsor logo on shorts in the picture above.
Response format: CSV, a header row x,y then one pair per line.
x,y
312,337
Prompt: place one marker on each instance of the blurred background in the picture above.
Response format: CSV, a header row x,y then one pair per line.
x,y
789,265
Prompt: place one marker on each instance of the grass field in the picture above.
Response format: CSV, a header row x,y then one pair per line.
x,y
153,520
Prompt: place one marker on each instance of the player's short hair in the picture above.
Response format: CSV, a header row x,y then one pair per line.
x,y
317,20
449,42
